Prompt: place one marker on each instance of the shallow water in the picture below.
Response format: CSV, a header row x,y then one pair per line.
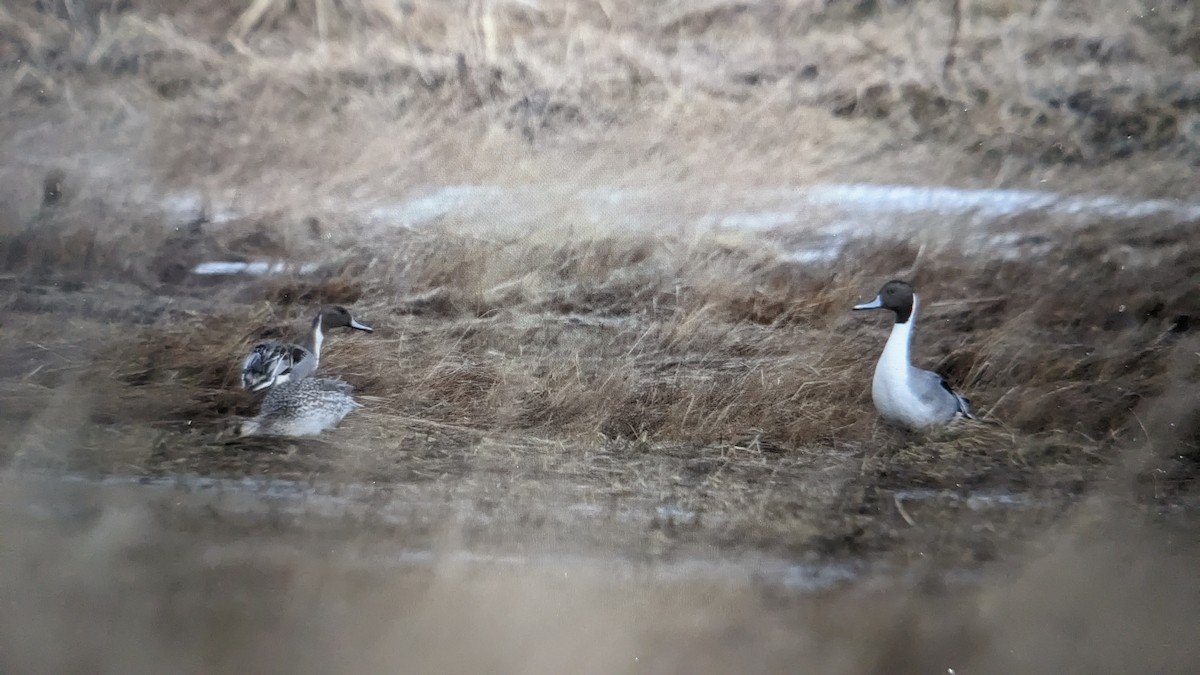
x,y
764,208
257,268
830,215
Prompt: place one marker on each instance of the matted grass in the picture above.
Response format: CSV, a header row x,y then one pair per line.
x,y
699,340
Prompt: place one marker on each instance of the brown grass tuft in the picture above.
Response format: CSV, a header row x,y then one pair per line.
x,y
676,339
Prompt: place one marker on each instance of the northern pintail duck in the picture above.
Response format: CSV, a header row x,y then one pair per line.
x,y
272,362
302,407
903,394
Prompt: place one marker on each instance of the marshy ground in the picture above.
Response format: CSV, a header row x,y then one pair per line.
x,y
601,443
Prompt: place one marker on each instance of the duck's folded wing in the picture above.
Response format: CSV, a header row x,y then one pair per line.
x,y
257,357
257,364
963,403
293,360
266,361
934,390
303,362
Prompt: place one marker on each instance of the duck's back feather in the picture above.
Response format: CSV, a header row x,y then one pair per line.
x,y
272,363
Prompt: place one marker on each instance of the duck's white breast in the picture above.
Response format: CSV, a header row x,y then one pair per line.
x,y
892,386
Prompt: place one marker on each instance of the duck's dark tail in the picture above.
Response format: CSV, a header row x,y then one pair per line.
x,y
964,406
964,409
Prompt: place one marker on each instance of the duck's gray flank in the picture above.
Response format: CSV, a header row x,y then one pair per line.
x,y
304,407
902,393
272,362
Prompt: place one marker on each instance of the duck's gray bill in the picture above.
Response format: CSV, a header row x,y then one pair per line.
x,y
874,304
358,326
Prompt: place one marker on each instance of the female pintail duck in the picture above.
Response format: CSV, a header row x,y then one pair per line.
x,y
301,407
903,394
272,362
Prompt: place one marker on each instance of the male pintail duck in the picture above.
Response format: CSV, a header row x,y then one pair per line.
x,y
903,394
301,407
272,362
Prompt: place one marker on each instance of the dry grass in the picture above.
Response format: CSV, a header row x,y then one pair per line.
x,y
287,103
567,364
707,341
689,347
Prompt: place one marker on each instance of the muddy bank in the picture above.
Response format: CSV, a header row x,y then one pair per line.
x,y
138,586
564,524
